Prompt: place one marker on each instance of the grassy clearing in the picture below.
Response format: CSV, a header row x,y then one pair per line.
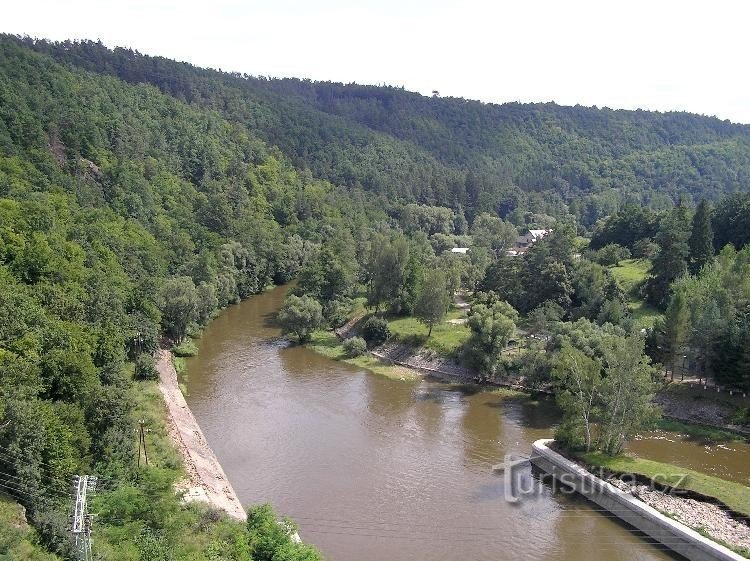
x,y
446,339
629,274
645,316
328,345
735,495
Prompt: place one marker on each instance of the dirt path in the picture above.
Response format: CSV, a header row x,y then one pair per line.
x,y
207,480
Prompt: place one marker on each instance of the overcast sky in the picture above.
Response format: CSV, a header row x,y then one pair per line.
x,y
655,54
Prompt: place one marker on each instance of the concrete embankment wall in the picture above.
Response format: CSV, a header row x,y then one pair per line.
x,y
663,529
202,467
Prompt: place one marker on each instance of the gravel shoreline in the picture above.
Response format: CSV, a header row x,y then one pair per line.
x,y
711,518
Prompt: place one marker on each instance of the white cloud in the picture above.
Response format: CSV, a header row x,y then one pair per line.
x,y
656,54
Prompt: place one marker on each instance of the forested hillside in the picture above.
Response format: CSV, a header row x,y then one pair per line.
x,y
542,158
125,214
139,196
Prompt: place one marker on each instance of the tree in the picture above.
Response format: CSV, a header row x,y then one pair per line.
x,y
178,301
733,357
492,325
670,262
145,369
388,266
676,330
701,242
68,375
610,254
605,386
543,316
271,537
625,228
300,315
731,221
627,393
493,233
579,381
433,300
206,302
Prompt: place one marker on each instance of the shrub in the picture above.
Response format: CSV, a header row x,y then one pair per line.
x,y
375,331
186,348
355,346
145,369
610,254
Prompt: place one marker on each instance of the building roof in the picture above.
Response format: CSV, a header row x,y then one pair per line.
x,y
538,234
460,250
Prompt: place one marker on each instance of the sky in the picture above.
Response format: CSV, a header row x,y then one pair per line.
x,y
656,54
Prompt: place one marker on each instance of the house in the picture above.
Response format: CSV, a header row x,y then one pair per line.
x,y
461,250
526,241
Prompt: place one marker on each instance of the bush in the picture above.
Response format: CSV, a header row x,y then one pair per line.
x,y
145,369
610,254
355,346
376,331
186,348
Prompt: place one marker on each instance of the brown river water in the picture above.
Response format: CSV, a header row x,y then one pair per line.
x,y
374,469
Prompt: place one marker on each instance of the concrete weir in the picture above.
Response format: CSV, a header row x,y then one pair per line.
x,y
672,534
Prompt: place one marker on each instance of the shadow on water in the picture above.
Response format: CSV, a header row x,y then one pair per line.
x,y
439,392
269,320
533,414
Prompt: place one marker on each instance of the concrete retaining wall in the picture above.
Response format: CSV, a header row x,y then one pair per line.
x,y
670,533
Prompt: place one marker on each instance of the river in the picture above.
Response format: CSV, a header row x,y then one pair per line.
x,y
375,469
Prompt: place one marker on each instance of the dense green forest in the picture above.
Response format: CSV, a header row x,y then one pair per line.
x,y
124,214
538,158
139,196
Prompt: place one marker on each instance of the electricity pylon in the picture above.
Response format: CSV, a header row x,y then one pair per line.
x,y
80,520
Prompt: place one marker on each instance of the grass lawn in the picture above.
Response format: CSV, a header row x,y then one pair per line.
x,y
629,274
735,495
446,338
645,316
327,344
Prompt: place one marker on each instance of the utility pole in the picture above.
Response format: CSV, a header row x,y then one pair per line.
x,y
80,520
142,441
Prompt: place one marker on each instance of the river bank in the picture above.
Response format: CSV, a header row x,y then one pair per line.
x,y
638,507
206,478
705,517
335,447
400,360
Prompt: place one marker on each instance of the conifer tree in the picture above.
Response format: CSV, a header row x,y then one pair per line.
x,y
670,262
701,242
